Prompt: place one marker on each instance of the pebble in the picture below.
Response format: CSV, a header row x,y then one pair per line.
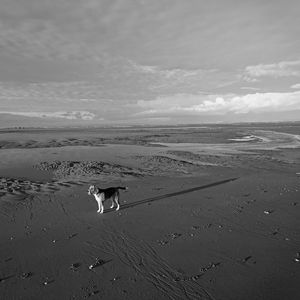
x,y
47,281
72,235
99,262
115,278
93,293
195,227
175,235
247,258
26,275
276,231
162,242
8,259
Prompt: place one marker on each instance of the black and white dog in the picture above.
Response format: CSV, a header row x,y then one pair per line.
x,y
102,195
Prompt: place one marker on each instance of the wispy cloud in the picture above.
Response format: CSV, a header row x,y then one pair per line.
x,y
64,92
69,115
123,80
43,40
251,88
169,73
180,80
281,69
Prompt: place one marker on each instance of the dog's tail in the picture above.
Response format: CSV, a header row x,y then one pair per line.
x,y
123,188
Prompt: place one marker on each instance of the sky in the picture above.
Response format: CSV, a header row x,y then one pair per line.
x,y
123,62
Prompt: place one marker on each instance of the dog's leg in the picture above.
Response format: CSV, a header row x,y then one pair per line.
x,y
102,208
102,201
116,200
112,203
100,204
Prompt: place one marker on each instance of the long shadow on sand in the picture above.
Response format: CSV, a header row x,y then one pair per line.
x,y
152,199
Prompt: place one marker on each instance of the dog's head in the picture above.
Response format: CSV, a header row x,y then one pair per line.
x,y
91,190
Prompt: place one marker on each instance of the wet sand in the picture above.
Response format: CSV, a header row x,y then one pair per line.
x,y
211,212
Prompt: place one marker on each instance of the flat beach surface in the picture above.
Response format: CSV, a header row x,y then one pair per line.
x,y
211,212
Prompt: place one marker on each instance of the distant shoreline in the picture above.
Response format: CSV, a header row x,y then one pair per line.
x,y
120,127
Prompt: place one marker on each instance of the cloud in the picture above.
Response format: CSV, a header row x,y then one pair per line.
x,y
221,104
69,115
122,80
168,73
158,80
78,92
295,86
281,69
249,88
43,40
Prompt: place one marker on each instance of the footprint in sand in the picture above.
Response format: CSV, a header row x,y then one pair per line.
x,y
74,267
26,275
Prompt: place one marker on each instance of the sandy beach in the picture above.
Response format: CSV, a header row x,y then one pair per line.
x,y
211,212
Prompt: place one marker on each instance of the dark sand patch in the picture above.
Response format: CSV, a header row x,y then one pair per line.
x,y
51,143
252,159
203,159
90,169
162,165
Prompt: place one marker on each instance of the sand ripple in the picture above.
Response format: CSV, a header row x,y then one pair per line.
x,y
12,189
